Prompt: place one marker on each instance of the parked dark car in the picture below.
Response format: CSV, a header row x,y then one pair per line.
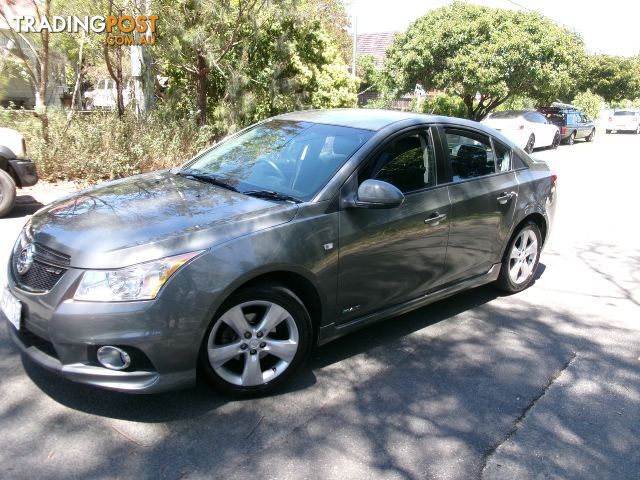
x,y
291,233
15,169
573,123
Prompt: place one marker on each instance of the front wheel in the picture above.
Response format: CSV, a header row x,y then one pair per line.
x,y
259,340
590,137
520,260
7,193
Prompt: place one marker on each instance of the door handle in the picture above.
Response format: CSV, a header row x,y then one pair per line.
x,y
505,197
435,218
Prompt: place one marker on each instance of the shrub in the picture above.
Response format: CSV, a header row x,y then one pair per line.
x,y
99,146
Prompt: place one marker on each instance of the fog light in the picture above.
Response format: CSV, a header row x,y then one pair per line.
x,y
113,358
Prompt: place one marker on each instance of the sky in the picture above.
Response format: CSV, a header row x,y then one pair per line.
x,y
609,26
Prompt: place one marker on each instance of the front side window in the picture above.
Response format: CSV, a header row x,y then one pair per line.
x,y
288,157
471,155
408,163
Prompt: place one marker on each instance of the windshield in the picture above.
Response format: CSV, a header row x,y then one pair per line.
x,y
287,157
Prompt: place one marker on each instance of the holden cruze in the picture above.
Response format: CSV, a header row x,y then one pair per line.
x,y
288,234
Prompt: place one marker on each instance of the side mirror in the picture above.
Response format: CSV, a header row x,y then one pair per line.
x,y
378,194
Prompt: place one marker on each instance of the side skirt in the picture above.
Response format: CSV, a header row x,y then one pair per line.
x,y
333,331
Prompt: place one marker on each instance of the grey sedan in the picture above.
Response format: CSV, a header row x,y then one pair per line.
x,y
286,235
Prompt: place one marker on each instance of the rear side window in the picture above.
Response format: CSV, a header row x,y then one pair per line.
x,y
536,117
624,114
471,155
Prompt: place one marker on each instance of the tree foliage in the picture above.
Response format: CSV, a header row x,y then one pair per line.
x,y
590,103
614,78
245,60
486,56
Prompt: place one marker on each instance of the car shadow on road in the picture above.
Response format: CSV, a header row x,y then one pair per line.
x,y
25,205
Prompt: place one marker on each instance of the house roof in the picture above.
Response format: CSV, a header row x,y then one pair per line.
x,y
375,44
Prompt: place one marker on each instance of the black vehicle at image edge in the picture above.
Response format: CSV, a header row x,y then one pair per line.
x,y
290,233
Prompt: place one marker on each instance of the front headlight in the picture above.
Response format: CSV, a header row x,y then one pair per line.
x,y
138,282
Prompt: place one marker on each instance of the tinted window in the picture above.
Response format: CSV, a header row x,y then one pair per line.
x,y
536,117
624,114
503,156
289,157
471,155
408,163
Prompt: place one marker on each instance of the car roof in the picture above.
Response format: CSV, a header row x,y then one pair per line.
x,y
372,119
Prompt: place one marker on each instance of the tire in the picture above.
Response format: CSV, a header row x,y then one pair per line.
x,y
7,193
590,137
572,138
230,350
556,141
607,132
530,144
638,129
519,264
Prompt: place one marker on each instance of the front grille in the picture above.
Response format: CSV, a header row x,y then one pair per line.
x,y
46,270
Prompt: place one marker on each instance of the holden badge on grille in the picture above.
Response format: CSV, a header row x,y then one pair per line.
x,y
24,259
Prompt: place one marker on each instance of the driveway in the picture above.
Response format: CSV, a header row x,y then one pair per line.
x,y
542,384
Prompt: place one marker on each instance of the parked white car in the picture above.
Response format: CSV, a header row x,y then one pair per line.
x,y
527,129
624,121
16,170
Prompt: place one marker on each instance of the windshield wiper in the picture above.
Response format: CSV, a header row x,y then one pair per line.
x,y
271,195
208,178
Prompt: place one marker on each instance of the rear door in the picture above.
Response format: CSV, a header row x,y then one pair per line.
x,y
388,256
483,191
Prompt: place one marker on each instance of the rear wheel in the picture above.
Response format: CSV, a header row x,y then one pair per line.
x,y
571,139
257,343
638,129
556,140
590,137
521,259
7,193
530,143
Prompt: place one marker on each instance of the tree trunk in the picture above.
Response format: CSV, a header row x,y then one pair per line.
x,y
202,85
44,77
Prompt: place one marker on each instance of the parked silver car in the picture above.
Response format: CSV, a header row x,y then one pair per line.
x,y
290,233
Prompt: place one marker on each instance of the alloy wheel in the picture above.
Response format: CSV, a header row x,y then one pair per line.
x,y
572,138
523,256
252,343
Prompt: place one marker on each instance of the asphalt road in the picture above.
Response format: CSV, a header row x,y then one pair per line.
x,y
542,384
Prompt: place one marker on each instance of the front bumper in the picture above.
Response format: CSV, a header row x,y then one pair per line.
x,y
163,336
25,172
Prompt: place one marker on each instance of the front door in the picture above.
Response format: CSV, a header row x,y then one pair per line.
x,y
483,193
388,256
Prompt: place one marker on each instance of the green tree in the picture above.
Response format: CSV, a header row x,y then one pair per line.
x,y
485,56
246,60
590,103
613,78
